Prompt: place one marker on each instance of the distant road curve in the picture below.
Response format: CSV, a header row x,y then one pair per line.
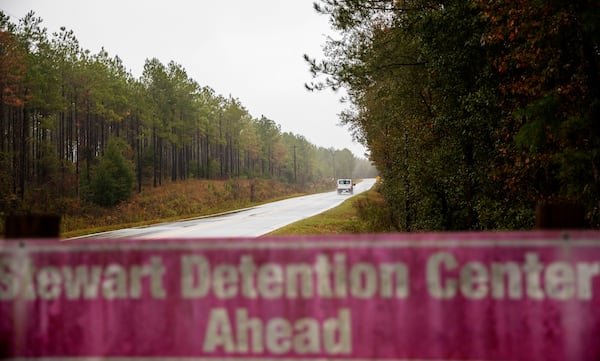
x,y
249,222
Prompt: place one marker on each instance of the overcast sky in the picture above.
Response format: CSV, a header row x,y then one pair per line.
x,y
249,49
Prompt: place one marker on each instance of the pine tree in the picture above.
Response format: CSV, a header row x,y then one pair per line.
x,y
114,178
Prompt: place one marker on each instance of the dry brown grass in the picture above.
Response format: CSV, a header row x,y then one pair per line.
x,y
178,200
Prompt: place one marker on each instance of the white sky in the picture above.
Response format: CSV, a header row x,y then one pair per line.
x,y
249,49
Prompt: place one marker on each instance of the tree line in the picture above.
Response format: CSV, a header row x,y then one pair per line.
x,y
475,112
77,125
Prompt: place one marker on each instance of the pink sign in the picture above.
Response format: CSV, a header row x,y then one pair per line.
x,y
452,296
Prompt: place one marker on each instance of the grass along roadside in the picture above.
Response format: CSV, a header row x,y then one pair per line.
x,y
363,213
176,201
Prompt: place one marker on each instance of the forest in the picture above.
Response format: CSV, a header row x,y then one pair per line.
x,y
475,112
79,127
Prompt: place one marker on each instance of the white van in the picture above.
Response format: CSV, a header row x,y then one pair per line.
x,y
345,185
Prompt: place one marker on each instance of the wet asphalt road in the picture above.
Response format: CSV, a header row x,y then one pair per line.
x,y
249,222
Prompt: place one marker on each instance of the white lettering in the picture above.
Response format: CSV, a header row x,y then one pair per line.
x,y
9,286
556,280
308,336
533,269
218,332
270,281
323,270
20,278
340,287
512,271
326,278
337,338
195,276
473,280
434,278
225,279
388,272
278,335
363,280
559,281
248,328
247,269
585,275
279,332
303,272
86,279
114,284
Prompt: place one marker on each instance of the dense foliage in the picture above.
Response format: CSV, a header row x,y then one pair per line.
x,y
474,111
113,179
62,109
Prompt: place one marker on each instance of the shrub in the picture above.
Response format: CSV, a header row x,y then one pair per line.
x,y
373,212
114,177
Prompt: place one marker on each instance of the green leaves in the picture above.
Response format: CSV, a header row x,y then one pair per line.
x,y
62,109
540,120
114,177
471,105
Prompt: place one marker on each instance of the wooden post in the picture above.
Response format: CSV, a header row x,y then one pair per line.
x,y
560,215
32,226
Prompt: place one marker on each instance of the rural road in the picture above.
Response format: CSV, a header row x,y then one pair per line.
x,y
249,222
